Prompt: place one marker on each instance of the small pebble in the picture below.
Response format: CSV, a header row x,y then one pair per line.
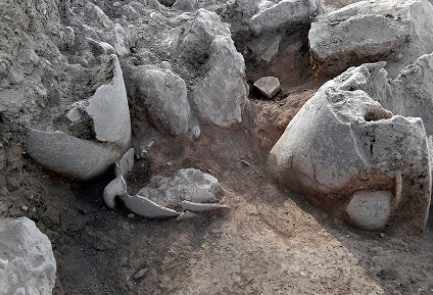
x,y
24,208
139,274
382,235
131,215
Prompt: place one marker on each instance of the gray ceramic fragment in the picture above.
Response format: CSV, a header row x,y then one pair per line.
x,y
146,208
202,207
70,155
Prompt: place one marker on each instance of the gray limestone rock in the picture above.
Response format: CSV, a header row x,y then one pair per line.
x,y
342,141
222,92
268,86
185,5
125,164
27,264
165,95
265,47
370,210
412,91
283,14
187,184
367,31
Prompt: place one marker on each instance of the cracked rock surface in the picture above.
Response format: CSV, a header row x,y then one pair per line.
x,y
27,264
342,141
370,31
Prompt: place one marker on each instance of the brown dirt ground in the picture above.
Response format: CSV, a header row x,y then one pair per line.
x,y
270,242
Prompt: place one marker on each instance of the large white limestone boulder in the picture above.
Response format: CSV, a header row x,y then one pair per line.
x,y
343,141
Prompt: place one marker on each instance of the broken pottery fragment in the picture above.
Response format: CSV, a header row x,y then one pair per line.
x,y
201,207
84,159
343,141
125,164
144,207
116,188
268,86
189,189
398,31
109,110
70,155
100,47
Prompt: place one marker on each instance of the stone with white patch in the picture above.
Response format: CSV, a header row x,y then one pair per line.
x,y
268,86
370,210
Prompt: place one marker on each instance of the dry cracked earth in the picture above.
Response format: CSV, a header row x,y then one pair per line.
x,y
271,241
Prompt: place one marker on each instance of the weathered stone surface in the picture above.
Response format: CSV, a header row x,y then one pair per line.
x,y
343,141
412,92
185,5
265,47
202,56
222,93
370,210
121,42
187,184
283,14
27,264
165,94
202,207
205,27
69,155
367,31
409,94
268,86
100,47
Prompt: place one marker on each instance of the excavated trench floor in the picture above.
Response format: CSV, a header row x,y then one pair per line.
x,y
270,242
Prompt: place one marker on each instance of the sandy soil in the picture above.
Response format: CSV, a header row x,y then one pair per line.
x,y
270,242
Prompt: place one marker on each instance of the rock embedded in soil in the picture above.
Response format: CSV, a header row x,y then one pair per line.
x,y
370,210
284,14
268,86
222,92
165,96
398,31
412,91
187,184
27,264
342,141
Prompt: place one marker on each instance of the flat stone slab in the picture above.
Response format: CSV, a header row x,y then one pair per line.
x,y
268,86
